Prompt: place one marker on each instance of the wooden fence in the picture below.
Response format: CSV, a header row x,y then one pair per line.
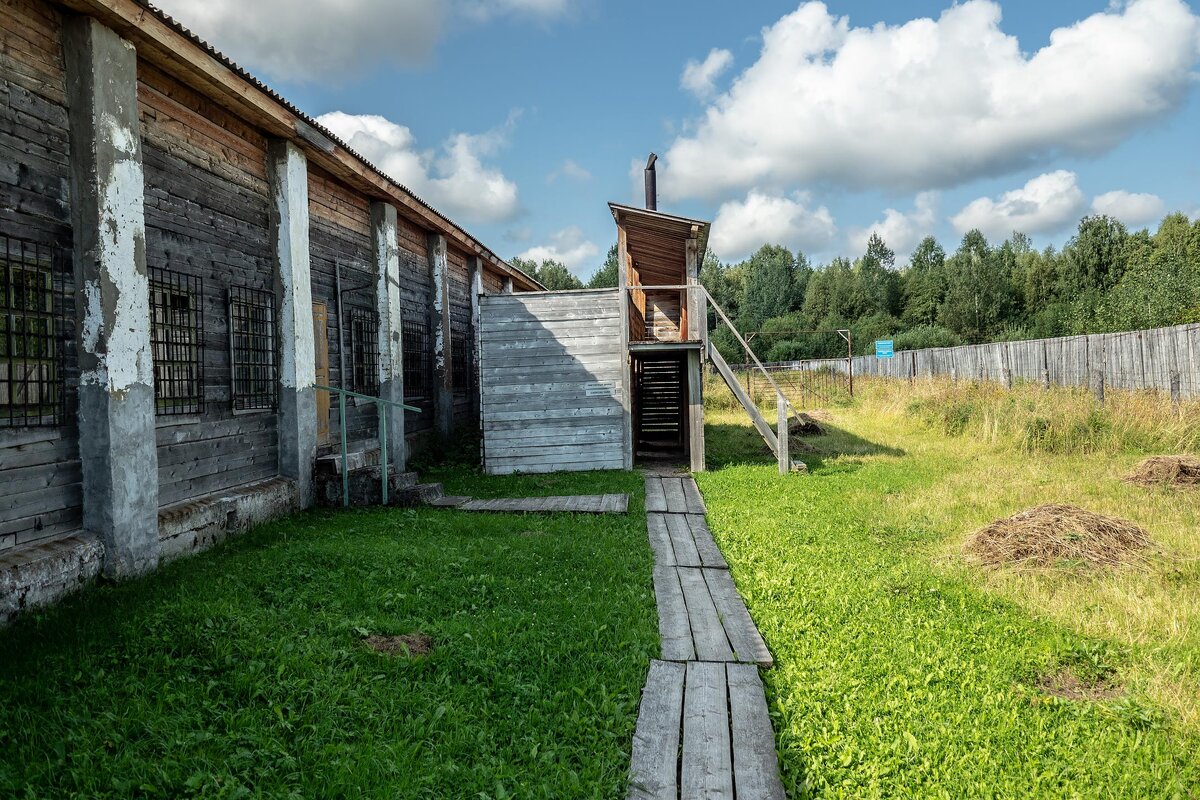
x,y
1163,359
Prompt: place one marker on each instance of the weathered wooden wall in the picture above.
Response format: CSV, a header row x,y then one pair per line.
x,y
416,288
553,381
1150,359
340,234
40,494
206,215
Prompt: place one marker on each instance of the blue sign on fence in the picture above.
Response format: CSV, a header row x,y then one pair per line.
x,y
883,348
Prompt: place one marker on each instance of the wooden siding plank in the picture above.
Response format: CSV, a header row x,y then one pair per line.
x,y
739,627
706,769
674,627
682,542
660,540
755,764
653,766
656,498
706,546
676,500
708,634
693,502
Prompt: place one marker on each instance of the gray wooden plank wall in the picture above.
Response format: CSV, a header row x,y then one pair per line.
x,y
40,496
552,378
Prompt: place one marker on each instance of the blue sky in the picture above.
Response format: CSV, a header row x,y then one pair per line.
x,y
797,122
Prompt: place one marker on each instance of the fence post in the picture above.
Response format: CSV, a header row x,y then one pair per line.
x,y
1098,385
781,435
1008,378
1176,391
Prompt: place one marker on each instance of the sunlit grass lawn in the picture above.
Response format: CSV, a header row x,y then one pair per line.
x,y
242,672
901,671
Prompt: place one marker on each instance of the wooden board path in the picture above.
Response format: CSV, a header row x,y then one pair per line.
x,y
703,730
579,504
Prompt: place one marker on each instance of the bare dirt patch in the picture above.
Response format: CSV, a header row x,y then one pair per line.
x,y
408,645
1066,684
1050,535
1178,471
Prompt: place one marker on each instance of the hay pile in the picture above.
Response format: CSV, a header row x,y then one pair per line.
x,y
1166,471
1047,535
804,425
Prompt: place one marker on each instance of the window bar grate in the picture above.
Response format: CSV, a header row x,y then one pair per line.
x,y
418,359
176,331
253,351
32,301
364,350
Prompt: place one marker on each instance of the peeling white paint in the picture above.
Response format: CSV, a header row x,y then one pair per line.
x,y
387,299
116,324
440,268
290,195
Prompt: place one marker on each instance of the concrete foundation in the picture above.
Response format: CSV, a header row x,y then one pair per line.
x,y
116,384
197,525
391,339
43,574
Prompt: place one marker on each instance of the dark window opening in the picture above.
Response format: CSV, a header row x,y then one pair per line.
x,y
31,300
418,360
364,351
252,349
176,326
462,352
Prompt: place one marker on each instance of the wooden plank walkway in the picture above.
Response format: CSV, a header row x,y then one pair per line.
x,y
580,504
703,730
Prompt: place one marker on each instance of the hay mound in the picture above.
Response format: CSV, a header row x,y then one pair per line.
x,y
1166,470
1049,534
804,425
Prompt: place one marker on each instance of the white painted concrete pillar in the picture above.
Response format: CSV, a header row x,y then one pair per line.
x,y
287,173
116,383
475,267
386,254
439,322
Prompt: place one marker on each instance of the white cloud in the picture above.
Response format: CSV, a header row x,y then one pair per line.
x,y
455,180
569,169
932,103
327,41
699,76
568,246
1045,204
901,231
1130,208
742,226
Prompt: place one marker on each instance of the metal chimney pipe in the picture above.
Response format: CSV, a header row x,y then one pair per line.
x,y
651,184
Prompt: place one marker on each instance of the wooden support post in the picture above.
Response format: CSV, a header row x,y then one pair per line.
x,y
626,376
695,372
439,323
1176,391
1098,385
781,435
475,267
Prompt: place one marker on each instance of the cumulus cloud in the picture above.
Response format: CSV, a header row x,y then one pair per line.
x,y
742,226
331,40
569,247
1045,204
932,103
569,169
699,76
1129,207
454,179
901,231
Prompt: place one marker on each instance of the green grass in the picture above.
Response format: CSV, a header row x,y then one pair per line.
x,y
241,672
900,671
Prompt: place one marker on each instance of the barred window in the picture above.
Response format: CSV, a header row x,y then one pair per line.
x,y
364,351
30,357
418,359
461,357
176,326
252,349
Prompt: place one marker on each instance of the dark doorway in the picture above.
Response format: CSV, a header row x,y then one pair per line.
x,y
660,406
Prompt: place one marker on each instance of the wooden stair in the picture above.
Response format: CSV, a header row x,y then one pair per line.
x,y
739,392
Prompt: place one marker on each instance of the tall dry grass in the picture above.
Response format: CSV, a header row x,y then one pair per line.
x,y
1062,421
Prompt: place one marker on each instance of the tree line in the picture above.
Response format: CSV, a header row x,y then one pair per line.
x,y
1104,279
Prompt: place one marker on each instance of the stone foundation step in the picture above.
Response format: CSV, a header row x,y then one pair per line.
x,y
359,455
422,494
366,487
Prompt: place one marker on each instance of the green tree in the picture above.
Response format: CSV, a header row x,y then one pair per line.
x,y
554,275
878,284
606,276
975,292
768,291
924,283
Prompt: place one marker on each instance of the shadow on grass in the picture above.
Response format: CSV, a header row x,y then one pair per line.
x,y
727,445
